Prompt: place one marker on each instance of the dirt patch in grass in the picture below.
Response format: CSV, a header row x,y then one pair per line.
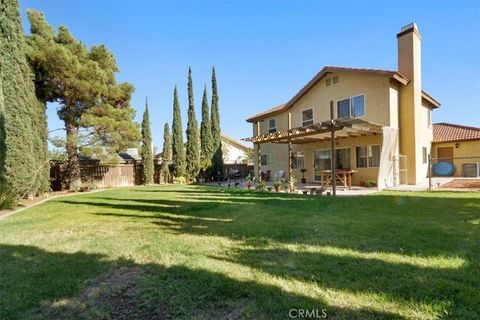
x,y
462,184
112,296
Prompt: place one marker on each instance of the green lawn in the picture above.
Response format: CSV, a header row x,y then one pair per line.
x,y
197,252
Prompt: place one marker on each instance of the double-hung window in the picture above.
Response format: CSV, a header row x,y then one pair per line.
x,y
351,107
298,160
272,125
266,159
368,156
307,117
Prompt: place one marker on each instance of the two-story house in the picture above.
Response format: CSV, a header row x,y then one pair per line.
x,y
384,123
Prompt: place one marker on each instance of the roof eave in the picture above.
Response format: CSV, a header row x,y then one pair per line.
x,y
434,103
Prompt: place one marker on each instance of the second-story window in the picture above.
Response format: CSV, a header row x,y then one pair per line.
x,y
307,117
272,125
351,107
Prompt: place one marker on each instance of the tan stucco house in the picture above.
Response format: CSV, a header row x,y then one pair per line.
x,y
382,120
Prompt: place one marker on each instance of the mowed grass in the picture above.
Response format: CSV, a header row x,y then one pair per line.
x,y
196,252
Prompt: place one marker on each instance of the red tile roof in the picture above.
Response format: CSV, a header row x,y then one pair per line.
x,y
447,132
329,69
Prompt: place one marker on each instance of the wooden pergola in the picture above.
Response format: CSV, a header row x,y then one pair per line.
x,y
326,130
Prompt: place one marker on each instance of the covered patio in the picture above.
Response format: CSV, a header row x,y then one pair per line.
x,y
330,130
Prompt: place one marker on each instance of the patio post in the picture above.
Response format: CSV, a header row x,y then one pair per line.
x,y
259,161
259,154
289,147
289,159
332,151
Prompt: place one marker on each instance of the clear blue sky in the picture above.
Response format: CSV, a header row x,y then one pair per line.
x,y
265,51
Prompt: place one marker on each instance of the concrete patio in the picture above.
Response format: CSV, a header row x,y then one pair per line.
x,y
300,187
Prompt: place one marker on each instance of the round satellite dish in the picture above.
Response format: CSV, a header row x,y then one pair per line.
x,y
443,168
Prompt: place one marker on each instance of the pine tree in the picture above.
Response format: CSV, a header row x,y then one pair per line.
x,y
193,139
166,153
22,118
83,82
147,156
206,140
217,159
178,151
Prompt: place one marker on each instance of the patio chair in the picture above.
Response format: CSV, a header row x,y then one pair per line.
x,y
279,175
265,175
233,173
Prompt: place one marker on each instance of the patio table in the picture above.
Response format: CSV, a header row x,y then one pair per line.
x,y
344,176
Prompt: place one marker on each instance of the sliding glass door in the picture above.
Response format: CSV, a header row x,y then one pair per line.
x,y
321,161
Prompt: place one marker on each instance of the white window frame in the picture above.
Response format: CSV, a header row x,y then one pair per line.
x,y
351,106
295,165
369,153
272,128
313,117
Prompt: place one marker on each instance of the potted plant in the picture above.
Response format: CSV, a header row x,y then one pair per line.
x,y
303,170
370,183
277,184
250,181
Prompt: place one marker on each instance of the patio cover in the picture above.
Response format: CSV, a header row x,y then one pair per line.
x,y
344,128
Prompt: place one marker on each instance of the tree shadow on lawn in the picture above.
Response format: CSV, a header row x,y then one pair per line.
x,y
388,223
450,290
405,226
37,284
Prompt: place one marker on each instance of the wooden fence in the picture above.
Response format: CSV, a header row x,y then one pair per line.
x,y
121,175
101,175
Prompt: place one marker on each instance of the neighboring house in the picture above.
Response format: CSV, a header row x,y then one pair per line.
x,y
130,155
234,151
383,118
457,144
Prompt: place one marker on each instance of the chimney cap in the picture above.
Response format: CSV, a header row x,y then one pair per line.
x,y
409,26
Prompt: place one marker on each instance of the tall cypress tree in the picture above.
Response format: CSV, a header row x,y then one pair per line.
x,y
3,134
166,153
217,159
23,150
178,151
193,139
147,156
206,140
